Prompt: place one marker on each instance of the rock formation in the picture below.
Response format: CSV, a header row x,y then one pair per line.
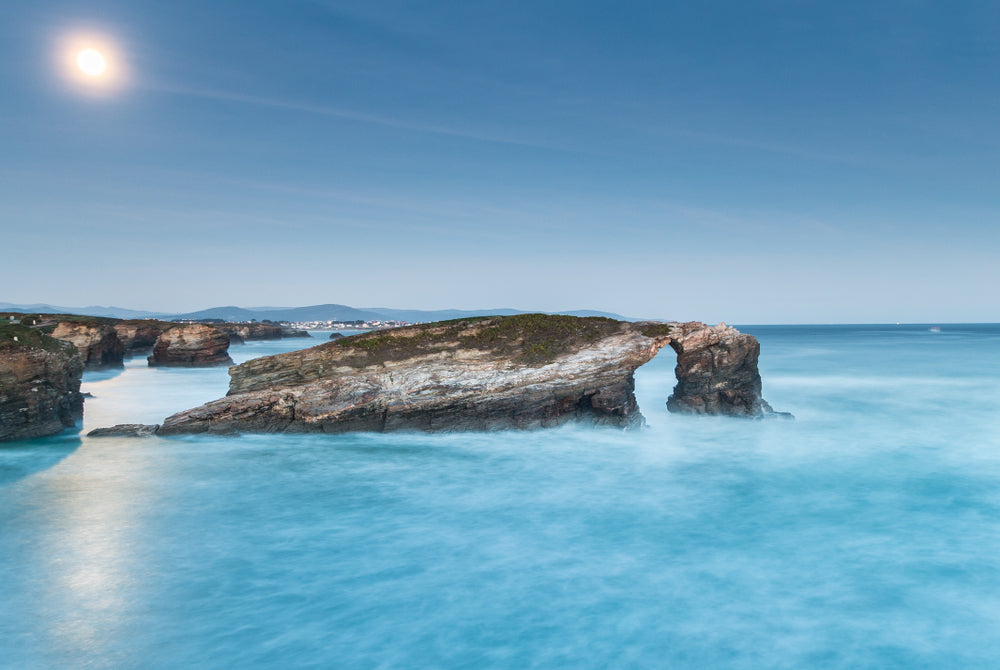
x,y
716,371
489,373
126,430
97,342
140,334
336,336
242,332
39,384
191,345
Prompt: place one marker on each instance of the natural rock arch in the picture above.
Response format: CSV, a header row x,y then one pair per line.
x,y
491,373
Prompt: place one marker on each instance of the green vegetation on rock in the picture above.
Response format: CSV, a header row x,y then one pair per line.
x,y
15,335
530,339
655,329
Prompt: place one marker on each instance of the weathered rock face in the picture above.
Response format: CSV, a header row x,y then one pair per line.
x,y
139,334
98,343
39,385
191,345
716,372
523,371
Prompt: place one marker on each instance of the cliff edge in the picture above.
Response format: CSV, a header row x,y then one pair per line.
x,y
39,383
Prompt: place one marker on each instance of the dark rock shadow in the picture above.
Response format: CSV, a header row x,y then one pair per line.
x,y
21,458
102,374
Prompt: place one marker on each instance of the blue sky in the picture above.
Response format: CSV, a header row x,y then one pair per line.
x,y
753,162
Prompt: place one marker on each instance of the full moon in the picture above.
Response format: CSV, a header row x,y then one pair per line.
x,y
91,62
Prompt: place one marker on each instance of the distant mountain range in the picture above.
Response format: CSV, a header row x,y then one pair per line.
x,y
93,310
329,312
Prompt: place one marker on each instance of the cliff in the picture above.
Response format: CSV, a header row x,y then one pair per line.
x,y
140,334
488,373
191,345
39,383
97,342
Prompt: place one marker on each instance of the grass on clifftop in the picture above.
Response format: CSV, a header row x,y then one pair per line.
x,y
48,322
28,337
529,339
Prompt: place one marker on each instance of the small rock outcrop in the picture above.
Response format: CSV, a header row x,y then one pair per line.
x,y
336,336
139,335
191,345
39,384
126,430
243,332
97,342
490,373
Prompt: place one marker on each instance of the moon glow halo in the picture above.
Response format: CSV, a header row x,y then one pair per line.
x,y
91,62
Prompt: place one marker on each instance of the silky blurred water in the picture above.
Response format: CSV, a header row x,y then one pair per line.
x,y
865,534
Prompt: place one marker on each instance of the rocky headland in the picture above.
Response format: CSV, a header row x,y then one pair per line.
x,y
488,373
39,383
97,342
191,345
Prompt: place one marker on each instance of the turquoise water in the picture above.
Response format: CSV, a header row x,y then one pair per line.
x,y
865,534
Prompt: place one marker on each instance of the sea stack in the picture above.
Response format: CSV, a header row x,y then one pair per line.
x,y
191,345
39,384
488,373
716,371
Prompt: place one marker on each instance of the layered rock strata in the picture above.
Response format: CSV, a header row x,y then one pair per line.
x,y
39,384
191,345
98,343
523,371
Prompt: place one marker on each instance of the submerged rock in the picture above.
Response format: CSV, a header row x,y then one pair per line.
x,y
39,384
97,342
489,373
191,345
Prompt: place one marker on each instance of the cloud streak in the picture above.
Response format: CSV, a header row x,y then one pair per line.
x,y
349,115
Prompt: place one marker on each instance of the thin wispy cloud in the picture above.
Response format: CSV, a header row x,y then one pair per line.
x,y
348,115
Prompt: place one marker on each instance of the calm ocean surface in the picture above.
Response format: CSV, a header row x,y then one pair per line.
x,y
865,534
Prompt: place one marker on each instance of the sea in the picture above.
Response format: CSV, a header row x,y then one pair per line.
x,y
863,534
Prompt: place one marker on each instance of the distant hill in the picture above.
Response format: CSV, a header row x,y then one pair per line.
x,y
415,315
93,310
328,312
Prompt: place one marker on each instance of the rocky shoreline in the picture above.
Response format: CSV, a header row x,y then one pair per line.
x,y
478,374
